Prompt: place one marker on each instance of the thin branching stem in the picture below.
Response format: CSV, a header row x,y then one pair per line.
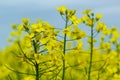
x,y
18,71
64,50
25,55
91,52
9,77
36,64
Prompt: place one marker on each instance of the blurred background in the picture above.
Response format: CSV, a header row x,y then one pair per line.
x,y
12,11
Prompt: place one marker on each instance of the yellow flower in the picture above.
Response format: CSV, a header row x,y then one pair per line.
x,y
116,76
44,40
99,16
13,26
37,57
87,20
70,12
116,34
100,26
106,45
89,40
77,33
27,40
87,11
15,33
80,45
20,27
112,69
107,32
62,9
84,18
113,39
38,37
112,54
25,20
29,78
37,27
114,29
67,31
74,20
31,35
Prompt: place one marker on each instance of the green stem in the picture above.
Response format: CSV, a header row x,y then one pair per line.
x,y
91,53
64,50
36,64
37,71
9,77
118,56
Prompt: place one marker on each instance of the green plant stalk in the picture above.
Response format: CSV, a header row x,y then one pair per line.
x,y
118,56
37,71
9,77
91,53
36,64
64,50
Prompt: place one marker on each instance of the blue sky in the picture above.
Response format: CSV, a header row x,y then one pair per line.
x,y
12,11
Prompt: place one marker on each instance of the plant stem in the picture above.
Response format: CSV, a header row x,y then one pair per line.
x,y
118,56
37,71
91,53
64,50
36,64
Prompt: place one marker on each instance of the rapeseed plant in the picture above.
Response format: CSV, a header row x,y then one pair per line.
x,y
37,53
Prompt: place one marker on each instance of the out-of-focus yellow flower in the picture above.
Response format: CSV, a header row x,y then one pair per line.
x,y
27,40
80,45
77,33
87,11
20,27
89,40
114,29
102,38
62,9
99,16
13,26
106,45
116,76
37,57
29,78
107,32
87,20
3,72
25,20
112,69
15,33
70,13
31,35
37,27
100,26
75,20
44,40
113,39
112,54
38,37
84,18
116,34
67,30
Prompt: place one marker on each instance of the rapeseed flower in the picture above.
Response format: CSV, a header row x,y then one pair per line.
x,y
25,20
99,16
100,26
62,9
87,11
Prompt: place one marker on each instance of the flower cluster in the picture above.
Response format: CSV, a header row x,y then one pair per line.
x,y
40,51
